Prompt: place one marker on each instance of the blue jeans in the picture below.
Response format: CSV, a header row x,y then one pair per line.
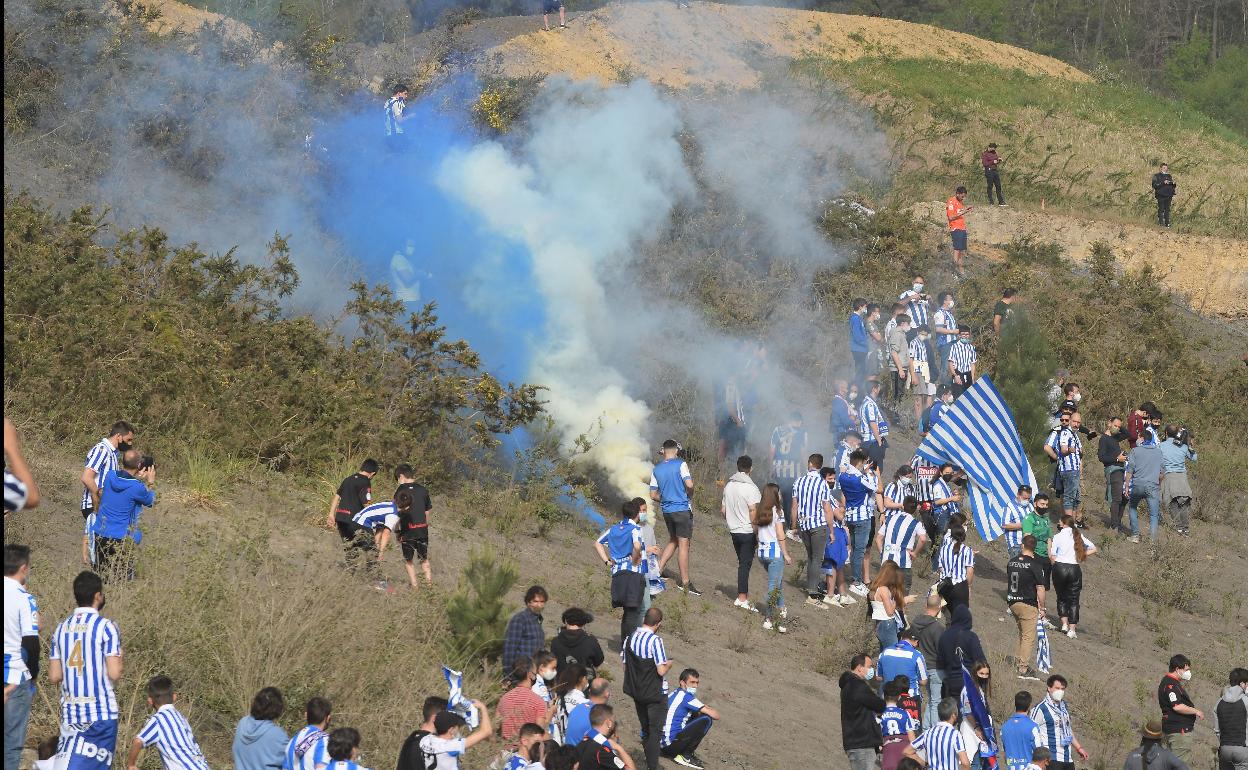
x,y
935,680
859,534
1152,494
16,719
1070,490
886,632
775,584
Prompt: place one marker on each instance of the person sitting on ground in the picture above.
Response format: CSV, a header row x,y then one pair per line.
x,y
447,744
688,721
531,734
896,724
600,750
167,730
410,756
599,691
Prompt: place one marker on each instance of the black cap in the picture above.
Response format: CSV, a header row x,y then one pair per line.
x,y
992,145
445,720
575,616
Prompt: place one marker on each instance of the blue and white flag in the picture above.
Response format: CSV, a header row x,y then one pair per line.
x,y
978,434
1043,659
979,710
457,701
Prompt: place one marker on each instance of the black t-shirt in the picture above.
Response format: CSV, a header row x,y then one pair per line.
x,y
410,756
1023,575
414,525
595,756
1002,309
1171,693
354,493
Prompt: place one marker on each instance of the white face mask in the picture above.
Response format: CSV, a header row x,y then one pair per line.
x,y
918,287
549,676
1057,695
692,691
1077,397
643,518
1186,675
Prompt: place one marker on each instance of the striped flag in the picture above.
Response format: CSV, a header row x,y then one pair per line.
x,y
457,702
1044,660
979,710
977,434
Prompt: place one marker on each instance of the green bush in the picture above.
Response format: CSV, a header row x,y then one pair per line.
x,y
477,612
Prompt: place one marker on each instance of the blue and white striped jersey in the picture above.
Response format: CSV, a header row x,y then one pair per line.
x,y
21,618
810,493
939,490
647,645
841,462
681,707
14,493
1062,439
1014,513
382,514
954,565
941,744
945,320
620,541
897,492
81,643
308,750
963,355
788,446
916,308
901,533
868,413
859,492
169,731
1053,729
918,350
395,106
102,458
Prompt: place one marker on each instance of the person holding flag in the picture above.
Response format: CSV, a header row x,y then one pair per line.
x,y
976,728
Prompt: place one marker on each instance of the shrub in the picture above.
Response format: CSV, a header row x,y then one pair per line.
x,y
1170,578
1022,374
478,612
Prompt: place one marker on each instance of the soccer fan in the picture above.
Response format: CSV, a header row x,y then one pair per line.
x,y
773,554
974,733
916,301
520,704
396,106
958,644
899,359
857,344
897,726
812,510
546,671
128,490
1025,598
891,498
857,489
739,507
21,651
444,747
843,418
524,635
942,743
1055,731
85,660
645,665
20,490
872,425
904,659
1109,452
944,498
1142,480
1230,722
1178,713
921,378
788,444
1069,549
901,537
1012,520
1018,734
167,730
860,707
962,361
410,756
413,532
100,460
259,741
622,550
687,723
353,495
573,644
929,628
945,325
598,692
1002,310
956,563
600,750
670,485
374,525
309,748
530,735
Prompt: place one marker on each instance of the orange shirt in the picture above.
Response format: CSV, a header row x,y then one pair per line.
x,y
953,212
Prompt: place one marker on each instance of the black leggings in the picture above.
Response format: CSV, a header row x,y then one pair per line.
x,y
959,593
1068,582
744,545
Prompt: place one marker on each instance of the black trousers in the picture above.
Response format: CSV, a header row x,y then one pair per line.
x,y
687,740
1163,211
1116,499
744,545
875,452
993,178
860,366
650,716
1068,582
630,622
959,593
112,558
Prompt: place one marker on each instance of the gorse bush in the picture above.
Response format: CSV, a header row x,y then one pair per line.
x,y
186,344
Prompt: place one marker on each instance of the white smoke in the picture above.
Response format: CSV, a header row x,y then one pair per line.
x,y
601,171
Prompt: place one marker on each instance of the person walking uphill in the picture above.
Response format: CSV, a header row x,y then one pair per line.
x,y
990,160
670,485
740,506
860,705
1163,190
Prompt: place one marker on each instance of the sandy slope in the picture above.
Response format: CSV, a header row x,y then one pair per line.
x,y
1210,272
714,45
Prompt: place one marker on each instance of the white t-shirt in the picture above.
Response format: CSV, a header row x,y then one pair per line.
x,y
21,618
1062,547
445,751
739,494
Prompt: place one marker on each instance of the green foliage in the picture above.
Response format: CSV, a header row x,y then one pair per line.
x,y
477,612
1024,364
1220,90
1171,578
186,344
1187,61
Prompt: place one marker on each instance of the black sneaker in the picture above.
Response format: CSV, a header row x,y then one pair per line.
x,y
689,589
695,758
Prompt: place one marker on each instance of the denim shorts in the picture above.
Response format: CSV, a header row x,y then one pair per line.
x,y
1070,490
959,239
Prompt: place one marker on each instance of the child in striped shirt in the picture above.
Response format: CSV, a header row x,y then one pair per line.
x,y
167,730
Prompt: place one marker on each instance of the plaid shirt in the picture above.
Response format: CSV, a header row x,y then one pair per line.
x,y
524,637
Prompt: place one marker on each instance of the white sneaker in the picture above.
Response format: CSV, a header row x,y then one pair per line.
x,y
847,600
745,605
768,625
784,613
813,602
1065,628
1071,633
832,600
859,589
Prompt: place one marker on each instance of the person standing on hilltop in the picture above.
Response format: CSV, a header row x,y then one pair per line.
x,y
955,213
1163,189
670,485
990,160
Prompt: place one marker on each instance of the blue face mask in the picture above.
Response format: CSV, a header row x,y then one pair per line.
x,y
871,673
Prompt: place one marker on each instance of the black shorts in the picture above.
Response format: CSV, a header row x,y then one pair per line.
x,y
679,523
415,547
86,513
1047,567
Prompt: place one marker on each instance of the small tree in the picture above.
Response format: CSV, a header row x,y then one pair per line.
x,y
1024,365
477,611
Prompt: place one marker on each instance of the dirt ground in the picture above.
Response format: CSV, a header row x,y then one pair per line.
x,y
1210,272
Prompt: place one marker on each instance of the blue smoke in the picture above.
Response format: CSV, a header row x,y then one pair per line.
x,y
384,204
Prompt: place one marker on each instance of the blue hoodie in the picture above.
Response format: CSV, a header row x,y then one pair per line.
x,y
122,498
259,744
